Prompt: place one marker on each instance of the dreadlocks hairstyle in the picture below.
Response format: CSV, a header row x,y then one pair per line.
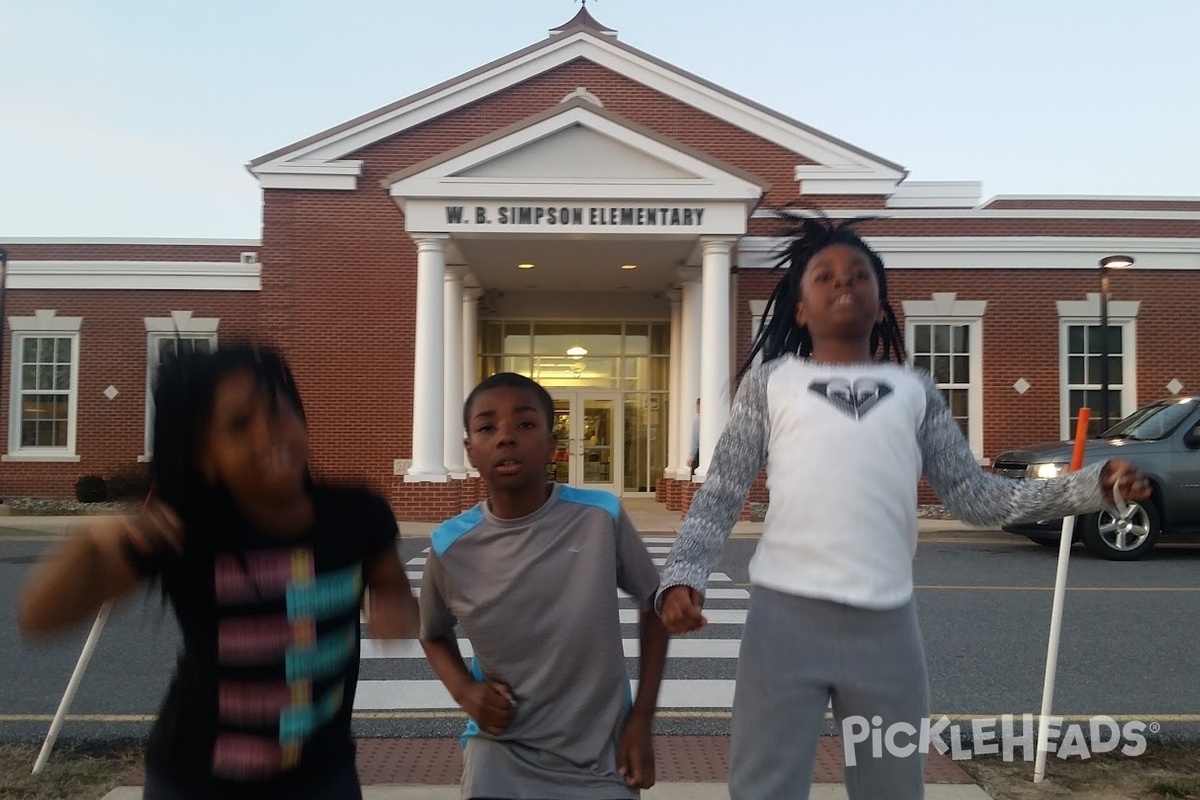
x,y
510,380
184,393
778,334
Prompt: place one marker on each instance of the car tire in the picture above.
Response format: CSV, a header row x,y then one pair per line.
x,y
1104,537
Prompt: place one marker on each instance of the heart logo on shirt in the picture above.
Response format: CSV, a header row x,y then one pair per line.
x,y
854,398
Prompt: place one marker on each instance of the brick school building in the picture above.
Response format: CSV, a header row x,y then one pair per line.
x,y
589,215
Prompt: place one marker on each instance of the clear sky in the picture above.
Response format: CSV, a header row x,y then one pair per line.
x,y
136,117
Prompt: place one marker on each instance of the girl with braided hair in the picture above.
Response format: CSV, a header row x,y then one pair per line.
x,y
266,570
845,430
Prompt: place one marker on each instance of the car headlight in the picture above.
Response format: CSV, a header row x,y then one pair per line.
x,y
1047,470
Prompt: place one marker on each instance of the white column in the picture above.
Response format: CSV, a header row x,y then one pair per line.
x,y
453,378
689,366
470,356
429,407
675,401
714,347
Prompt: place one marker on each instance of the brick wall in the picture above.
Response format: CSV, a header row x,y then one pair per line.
x,y
110,434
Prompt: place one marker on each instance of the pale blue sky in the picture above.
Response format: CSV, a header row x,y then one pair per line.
x,y
136,117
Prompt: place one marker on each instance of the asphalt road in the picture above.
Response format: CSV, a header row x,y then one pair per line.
x,y
1129,648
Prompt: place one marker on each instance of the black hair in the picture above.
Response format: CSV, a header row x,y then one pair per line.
x,y
184,392
510,380
778,334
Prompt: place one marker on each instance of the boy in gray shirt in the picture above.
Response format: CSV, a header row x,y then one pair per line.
x,y
532,576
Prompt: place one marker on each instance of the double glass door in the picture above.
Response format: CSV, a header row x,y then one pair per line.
x,y
587,425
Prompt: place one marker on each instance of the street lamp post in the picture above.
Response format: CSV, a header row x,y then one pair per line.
x,y
1107,263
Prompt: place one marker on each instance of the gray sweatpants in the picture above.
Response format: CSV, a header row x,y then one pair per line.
x,y
797,654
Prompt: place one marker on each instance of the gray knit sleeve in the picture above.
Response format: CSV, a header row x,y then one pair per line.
x,y
980,498
740,454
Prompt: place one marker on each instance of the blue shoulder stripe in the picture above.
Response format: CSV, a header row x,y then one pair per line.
x,y
592,497
449,531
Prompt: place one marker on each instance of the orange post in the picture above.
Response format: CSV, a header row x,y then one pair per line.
x,y
1081,429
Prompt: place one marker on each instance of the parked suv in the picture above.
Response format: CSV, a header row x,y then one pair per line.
x,y
1163,440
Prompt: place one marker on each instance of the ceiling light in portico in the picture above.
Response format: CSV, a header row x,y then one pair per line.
x,y
524,266
577,352
629,266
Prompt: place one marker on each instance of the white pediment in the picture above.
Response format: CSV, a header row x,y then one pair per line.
x,y
575,150
327,160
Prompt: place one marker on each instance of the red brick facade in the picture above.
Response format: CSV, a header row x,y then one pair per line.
x,y
338,274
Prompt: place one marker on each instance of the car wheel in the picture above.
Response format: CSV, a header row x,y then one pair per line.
x,y
1128,540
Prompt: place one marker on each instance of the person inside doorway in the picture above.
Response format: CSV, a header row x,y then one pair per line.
x,y
694,461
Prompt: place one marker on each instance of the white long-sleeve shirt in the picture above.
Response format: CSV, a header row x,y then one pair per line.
x,y
844,447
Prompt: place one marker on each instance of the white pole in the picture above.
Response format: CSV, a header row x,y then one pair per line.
x,y
1060,590
1060,585
72,687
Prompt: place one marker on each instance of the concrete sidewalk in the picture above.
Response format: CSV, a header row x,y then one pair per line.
x,y
688,768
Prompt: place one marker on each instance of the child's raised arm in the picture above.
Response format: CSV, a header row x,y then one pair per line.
x,y
95,565
740,455
980,498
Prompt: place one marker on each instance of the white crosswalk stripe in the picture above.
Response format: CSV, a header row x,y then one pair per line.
x,y
710,655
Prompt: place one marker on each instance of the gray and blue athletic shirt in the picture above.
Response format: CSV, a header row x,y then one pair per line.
x,y
844,447
537,598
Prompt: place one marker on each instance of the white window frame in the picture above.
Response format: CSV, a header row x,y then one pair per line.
x,y
1121,314
185,326
43,323
945,309
758,309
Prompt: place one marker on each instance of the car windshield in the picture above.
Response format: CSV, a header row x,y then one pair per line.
x,y
1155,421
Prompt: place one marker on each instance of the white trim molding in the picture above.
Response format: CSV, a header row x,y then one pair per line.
x,y
582,93
233,276
181,322
1001,252
45,319
45,323
944,308
133,240
1122,314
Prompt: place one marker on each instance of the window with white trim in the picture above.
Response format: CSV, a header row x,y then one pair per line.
x,y
166,337
45,387
944,337
1080,346
758,309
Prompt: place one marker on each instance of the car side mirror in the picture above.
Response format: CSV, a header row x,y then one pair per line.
x,y
1191,439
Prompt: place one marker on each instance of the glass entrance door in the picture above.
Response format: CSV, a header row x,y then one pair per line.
x,y
588,428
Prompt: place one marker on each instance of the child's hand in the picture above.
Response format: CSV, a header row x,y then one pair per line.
x,y
153,529
490,704
681,610
1125,478
392,614
635,753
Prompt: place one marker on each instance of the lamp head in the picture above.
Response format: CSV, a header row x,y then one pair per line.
x,y
1116,262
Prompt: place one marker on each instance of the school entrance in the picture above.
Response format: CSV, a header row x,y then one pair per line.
x,y
610,380
586,425
594,256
